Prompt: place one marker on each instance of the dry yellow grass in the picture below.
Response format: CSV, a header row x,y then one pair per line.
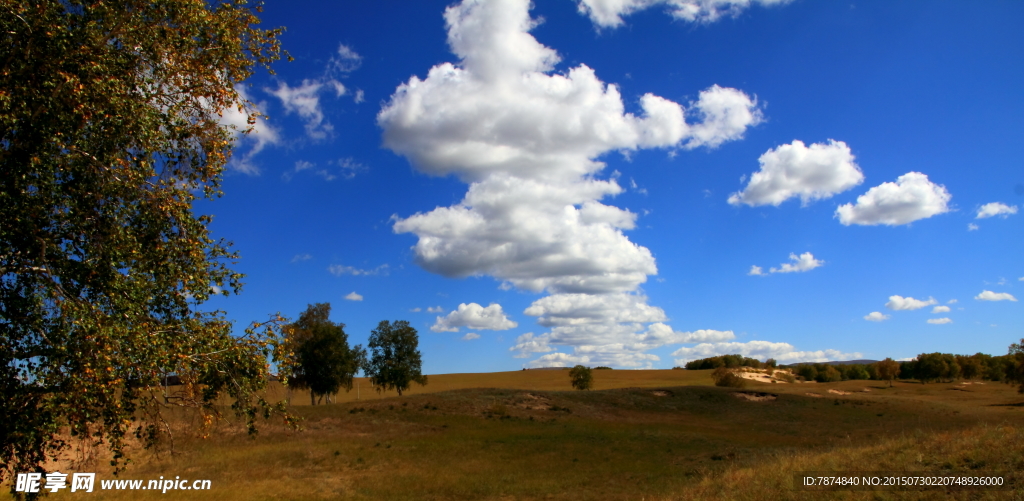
x,y
664,435
546,380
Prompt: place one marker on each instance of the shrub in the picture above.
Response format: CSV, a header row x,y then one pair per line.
x,y
725,377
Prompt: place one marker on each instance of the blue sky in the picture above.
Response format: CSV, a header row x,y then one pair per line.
x,y
638,183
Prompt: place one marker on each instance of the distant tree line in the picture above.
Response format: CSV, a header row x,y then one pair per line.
x,y
729,362
926,368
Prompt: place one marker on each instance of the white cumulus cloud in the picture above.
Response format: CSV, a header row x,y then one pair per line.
x,y
939,321
994,296
353,296
794,170
609,13
910,198
995,209
908,303
940,309
783,352
876,316
972,227
755,271
470,336
527,140
476,317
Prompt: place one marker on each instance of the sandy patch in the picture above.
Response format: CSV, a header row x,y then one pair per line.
x,y
815,395
839,392
760,375
866,389
756,397
661,393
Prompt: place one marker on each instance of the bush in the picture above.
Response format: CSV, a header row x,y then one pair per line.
x,y
725,377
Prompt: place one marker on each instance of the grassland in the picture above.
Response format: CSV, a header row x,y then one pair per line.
x,y
661,435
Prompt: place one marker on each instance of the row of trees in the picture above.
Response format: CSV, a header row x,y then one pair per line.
x,y
927,367
729,362
319,359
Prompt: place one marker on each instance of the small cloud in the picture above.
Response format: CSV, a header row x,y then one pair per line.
x,y
474,316
951,301
939,321
435,309
470,336
345,61
801,263
416,310
339,270
301,257
352,296
348,167
996,209
359,96
908,303
940,309
876,316
972,227
755,271
995,296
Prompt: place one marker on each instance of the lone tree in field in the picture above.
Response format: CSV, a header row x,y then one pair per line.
x,y
887,370
394,361
109,128
321,359
582,377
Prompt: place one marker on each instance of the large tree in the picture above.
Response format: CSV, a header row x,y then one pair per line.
x,y
322,360
110,127
394,360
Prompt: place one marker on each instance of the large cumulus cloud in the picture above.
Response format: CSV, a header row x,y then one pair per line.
x,y
526,139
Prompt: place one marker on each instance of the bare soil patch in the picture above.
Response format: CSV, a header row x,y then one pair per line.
x,y
755,397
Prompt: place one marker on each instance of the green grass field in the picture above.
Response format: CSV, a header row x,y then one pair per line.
x,y
641,435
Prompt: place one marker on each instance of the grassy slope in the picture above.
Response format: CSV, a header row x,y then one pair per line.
x,y
623,442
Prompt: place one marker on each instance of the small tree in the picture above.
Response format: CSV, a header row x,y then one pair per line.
x,y
320,356
887,370
582,378
395,361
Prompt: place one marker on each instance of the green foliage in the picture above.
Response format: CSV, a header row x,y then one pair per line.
x,y
727,361
321,359
808,372
1015,365
582,378
936,366
828,374
109,127
723,376
887,370
602,368
394,361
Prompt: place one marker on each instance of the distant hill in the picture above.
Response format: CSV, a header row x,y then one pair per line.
x,y
834,362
